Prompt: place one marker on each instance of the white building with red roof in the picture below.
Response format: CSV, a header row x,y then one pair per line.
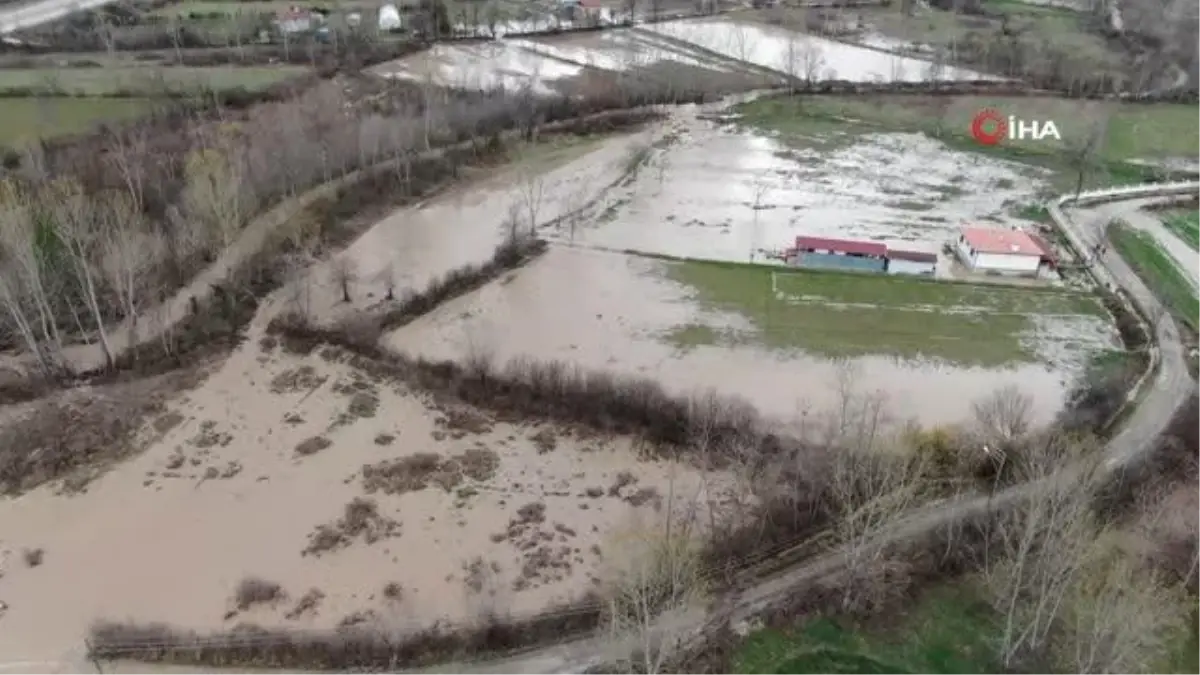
x,y
1001,251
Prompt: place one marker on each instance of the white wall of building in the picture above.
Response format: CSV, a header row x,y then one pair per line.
x,y
1005,263
897,266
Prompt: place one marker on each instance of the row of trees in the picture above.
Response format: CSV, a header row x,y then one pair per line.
x,y
179,190
1066,588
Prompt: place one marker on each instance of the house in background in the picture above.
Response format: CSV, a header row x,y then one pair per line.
x,y
999,251
295,20
838,254
919,263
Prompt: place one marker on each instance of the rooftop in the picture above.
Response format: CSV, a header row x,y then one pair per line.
x,y
841,246
1008,242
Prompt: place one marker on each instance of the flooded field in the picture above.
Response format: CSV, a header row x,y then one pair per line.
x,y
463,226
558,63
723,192
800,55
325,480
637,315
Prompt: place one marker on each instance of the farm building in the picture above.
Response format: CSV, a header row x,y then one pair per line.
x,y
999,251
911,262
840,254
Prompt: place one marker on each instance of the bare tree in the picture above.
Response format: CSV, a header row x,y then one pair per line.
x,y
389,281
23,282
871,490
1119,616
128,255
77,227
812,59
214,193
343,275
1042,545
1004,415
1085,151
533,189
658,570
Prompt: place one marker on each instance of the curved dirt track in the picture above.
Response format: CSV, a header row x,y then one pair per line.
x,y
1168,389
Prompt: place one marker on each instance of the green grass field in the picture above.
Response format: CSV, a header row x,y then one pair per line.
x,y
1133,131
146,80
1158,270
947,631
232,7
843,314
24,119
1186,226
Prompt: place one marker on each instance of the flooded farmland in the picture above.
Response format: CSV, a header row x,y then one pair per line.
x,y
610,311
722,192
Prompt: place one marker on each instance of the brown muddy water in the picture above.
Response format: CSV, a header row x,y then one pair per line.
x,y
463,226
610,311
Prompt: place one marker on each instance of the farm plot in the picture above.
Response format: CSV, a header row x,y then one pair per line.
x,y
25,119
144,80
724,193
799,55
489,65
929,350
558,64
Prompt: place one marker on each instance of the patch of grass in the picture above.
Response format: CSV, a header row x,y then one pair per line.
x,y
843,314
1186,226
1158,270
1134,131
948,631
145,80
27,119
203,7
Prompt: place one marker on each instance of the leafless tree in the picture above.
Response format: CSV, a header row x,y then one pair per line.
x,y
1041,544
76,225
871,490
389,281
1119,616
23,283
532,189
214,193
812,60
128,255
1004,415
657,571
343,275
1085,151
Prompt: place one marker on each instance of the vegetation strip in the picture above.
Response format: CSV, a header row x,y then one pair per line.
x,y
1159,271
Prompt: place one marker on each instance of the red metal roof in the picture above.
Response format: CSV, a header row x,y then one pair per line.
x,y
1009,242
841,246
1048,253
912,256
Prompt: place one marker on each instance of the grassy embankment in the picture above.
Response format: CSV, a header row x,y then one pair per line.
x,y
1159,271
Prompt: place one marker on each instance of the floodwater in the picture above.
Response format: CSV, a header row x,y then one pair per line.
x,y
609,311
620,49
723,193
463,226
800,54
485,65
155,541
